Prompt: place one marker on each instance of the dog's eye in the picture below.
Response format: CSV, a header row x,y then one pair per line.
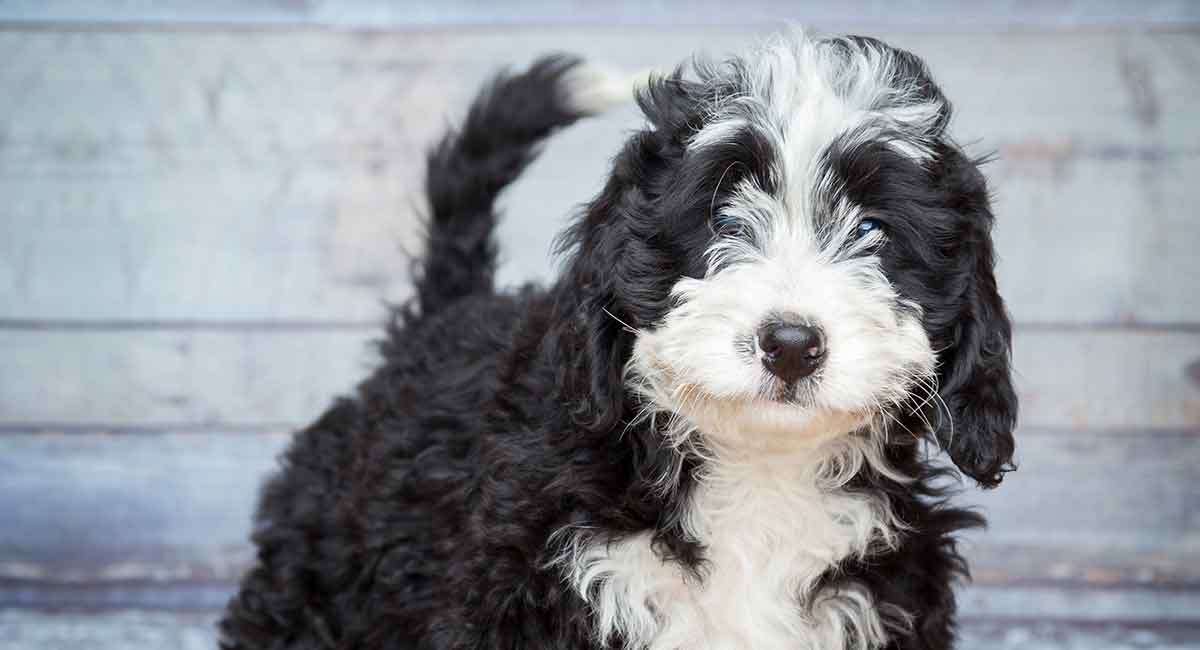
x,y
723,224
868,226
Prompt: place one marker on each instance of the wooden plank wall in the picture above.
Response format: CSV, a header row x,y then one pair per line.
x,y
206,206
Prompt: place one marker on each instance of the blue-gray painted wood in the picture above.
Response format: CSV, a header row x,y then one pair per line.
x,y
157,507
188,379
459,13
140,512
141,630
130,630
976,602
267,177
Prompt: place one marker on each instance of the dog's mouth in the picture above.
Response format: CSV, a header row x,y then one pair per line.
x,y
772,399
801,393
776,421
765,403
767,391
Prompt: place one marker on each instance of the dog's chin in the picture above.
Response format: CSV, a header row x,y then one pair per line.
x,y
779,418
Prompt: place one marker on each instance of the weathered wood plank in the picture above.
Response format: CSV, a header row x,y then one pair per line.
x,y
1101,510
164,627
130,507
1098,241
383,14
198,378
1108,379
155,630
992,617
108,595
977,603
232,245
1073,561
189,378
126,630
1061,635
152,509
272,176
1093,606
182,98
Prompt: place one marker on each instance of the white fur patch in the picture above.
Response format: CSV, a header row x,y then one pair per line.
x,y
771,526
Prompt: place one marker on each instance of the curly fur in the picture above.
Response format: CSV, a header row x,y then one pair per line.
x,y
603,463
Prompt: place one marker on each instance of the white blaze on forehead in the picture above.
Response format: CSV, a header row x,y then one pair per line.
x,y
804,94
818,88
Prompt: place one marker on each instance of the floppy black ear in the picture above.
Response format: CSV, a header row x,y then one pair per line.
x,y
975,377
972,332
619,274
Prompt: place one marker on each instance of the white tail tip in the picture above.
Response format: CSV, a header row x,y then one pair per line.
x,y
593,89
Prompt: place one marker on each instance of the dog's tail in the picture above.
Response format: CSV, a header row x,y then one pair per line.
x,y
466,171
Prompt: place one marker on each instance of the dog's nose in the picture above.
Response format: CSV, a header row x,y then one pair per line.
x,y
790,351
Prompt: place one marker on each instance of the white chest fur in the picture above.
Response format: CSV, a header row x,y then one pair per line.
x,y
770,530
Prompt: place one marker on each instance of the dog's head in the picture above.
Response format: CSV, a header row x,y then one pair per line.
x,y
794,248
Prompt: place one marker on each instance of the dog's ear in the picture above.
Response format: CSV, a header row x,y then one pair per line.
x,y
612,278
672,103
619,274
974,373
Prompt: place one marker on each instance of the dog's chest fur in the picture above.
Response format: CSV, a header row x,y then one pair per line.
x,y
770,532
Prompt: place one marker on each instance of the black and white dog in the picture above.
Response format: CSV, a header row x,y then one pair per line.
x,y
707,433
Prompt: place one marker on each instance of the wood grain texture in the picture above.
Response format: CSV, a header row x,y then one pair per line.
x,y
1057,635
1098,506
1110,379
95,507
130,630
150,509
977,604
187,378
1092,606
151,630
385,14
265,176
272,377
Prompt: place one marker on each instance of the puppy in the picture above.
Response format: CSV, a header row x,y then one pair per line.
x,y
706,434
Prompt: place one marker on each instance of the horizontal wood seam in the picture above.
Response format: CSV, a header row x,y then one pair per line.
x,y
190,596
261,428
232,325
